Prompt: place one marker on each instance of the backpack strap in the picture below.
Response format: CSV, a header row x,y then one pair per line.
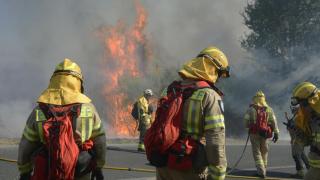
x,y
202,84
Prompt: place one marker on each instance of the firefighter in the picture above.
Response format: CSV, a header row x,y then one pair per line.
x,y
298,142
145,111
203,118
65,88
261,123
307,96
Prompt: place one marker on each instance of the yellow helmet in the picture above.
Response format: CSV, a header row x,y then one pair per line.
x,y
259,94
218,58
67,66
66,85
259,99
303,91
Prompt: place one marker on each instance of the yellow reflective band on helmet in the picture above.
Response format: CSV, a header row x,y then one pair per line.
x,y
30,134
86,116
24,168
214,121
217,173
40,118
314,163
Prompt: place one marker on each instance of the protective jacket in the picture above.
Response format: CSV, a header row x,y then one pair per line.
x,y
203,119
251,116
258,141
144,116
203,115
314,154
88,126
65,88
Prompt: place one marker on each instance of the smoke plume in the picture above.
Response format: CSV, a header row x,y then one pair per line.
x,y
36,35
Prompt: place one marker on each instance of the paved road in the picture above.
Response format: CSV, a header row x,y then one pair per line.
x,y
280,162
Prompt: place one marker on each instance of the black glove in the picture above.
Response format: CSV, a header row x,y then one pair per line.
x,y
25,176
275,137
97,174
150,109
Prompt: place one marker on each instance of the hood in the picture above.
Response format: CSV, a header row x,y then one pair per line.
x,y
63,89
199,68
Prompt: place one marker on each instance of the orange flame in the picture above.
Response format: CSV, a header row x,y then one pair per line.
x,y
122,57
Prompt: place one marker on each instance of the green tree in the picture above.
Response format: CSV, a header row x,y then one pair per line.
x,y
288,30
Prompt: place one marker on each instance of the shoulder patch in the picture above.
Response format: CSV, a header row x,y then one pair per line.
x,y
221,105
86,111
198,95
39,115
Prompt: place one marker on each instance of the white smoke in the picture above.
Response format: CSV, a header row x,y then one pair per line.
x,y
36,35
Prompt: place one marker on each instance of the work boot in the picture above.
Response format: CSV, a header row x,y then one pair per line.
x,y
262,176
141,147
299,174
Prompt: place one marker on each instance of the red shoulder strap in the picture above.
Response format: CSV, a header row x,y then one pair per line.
x,y
202,84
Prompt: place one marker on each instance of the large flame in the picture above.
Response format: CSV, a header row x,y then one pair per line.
x,y
126,52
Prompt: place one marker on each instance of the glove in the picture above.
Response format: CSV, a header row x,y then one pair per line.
x,y
275,137
150,109
25,176
97,174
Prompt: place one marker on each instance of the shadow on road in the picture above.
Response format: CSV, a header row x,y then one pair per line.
x,y
272,174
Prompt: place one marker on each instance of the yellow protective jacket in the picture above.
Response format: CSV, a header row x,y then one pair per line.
x,y
89,126
144,116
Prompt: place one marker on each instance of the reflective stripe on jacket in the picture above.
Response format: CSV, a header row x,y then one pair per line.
x,y
89,126
86,125
203,118
202,111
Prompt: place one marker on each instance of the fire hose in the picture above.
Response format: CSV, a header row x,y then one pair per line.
x,y
152,170
242,154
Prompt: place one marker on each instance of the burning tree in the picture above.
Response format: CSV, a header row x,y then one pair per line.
x,y
126,54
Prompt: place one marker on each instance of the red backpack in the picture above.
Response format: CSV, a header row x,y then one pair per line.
x,y
261,126
59,159
165,130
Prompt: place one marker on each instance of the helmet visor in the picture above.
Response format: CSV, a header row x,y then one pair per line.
x,y
294,101
224,72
